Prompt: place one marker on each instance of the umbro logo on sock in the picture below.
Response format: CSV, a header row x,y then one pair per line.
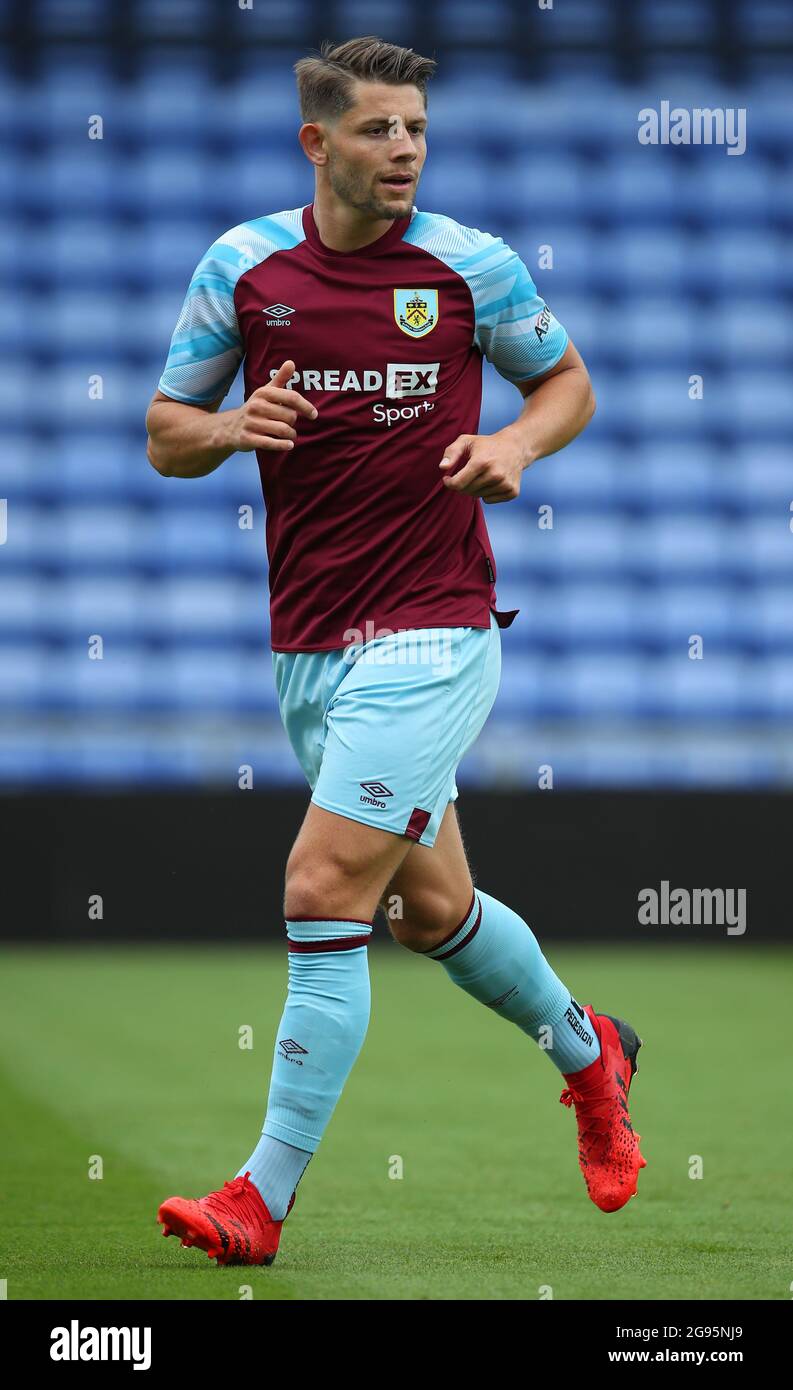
x,y
577,1007
289,1048
502,998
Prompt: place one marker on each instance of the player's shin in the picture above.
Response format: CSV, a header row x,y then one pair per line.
x,y
321,1032
495,957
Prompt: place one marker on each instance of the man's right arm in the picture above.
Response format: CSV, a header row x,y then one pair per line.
x,y
186,441
189,441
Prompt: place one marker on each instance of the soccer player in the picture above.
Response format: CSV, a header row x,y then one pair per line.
x,y
362,323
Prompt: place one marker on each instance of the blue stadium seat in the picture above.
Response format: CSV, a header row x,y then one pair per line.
x,y
577,21
759,478
58,17
462,20
649,328
442,188
669,475
23,675
750,335
639,186
675,21
158,18
765,22
734,252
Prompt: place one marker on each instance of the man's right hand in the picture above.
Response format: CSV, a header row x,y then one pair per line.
x,y
189,441
267,419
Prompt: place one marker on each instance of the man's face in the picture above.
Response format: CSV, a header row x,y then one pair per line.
x,y
376,150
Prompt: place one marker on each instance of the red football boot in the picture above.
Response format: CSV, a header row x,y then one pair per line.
x,y
608,1148
233,1225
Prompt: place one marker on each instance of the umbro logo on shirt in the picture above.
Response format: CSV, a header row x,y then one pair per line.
x,y
279,315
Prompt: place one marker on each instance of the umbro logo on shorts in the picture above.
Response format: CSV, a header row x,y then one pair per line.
x,y
375,791
376,788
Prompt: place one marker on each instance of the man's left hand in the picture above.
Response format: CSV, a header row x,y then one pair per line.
x,y
492,465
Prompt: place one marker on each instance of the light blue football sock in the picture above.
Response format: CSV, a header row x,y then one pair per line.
x,y
276,1168
494,956
319,1037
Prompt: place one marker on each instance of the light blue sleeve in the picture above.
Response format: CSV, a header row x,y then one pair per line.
x,y
515,329
207,348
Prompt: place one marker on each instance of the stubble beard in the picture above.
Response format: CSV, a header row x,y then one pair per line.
x,y
351,188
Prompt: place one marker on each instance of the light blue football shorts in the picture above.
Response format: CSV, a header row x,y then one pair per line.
x,y
380,727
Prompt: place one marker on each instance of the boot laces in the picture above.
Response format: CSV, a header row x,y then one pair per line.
x,y
238,1201
592,1112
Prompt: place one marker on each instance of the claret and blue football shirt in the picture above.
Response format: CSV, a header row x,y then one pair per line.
x,y
388,344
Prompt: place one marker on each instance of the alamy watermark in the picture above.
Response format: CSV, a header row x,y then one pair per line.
x,y
702,125
76,1343
683,907
385,646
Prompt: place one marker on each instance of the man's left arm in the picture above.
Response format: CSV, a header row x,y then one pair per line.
x,y
558,405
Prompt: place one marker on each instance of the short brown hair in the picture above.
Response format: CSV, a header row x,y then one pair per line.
x,y
325,83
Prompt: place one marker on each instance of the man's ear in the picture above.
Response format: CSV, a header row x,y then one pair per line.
x,y
312,142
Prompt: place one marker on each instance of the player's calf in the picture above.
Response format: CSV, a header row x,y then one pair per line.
x,y
423,920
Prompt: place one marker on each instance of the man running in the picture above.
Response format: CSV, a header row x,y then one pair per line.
x,y
362,323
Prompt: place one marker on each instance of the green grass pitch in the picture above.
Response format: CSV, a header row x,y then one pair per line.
x,y
132,1054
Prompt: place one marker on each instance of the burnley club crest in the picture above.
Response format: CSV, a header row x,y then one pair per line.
x,y
416,311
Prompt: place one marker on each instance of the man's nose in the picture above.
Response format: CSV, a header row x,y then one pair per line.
x,y
402,143
405,152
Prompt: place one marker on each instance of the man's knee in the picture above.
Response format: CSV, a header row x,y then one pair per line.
x,y
320,884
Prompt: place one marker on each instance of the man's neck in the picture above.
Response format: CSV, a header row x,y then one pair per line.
x,y
344,228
